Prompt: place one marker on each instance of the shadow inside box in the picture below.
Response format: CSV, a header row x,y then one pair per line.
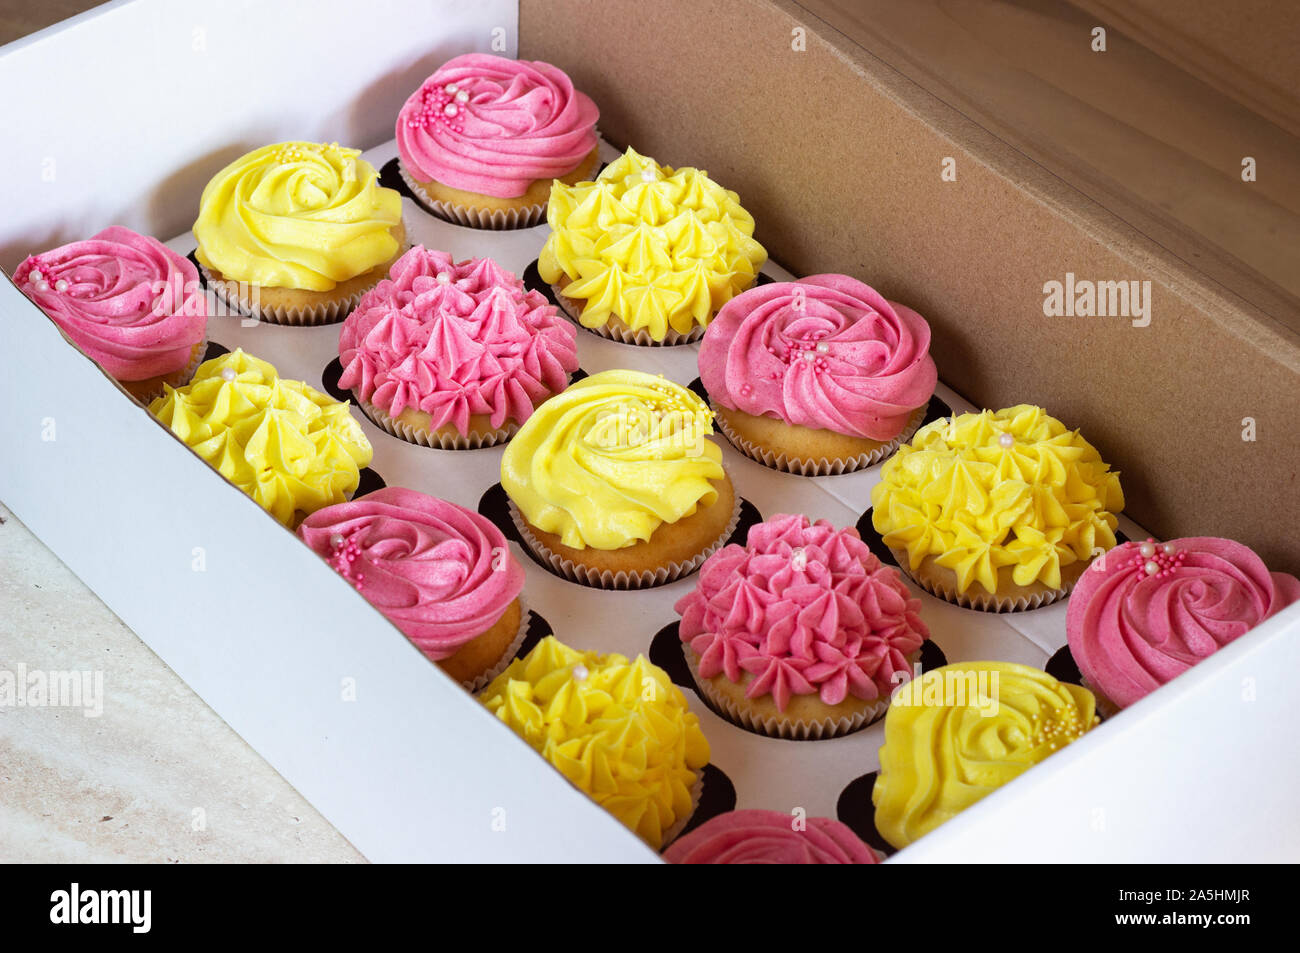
x,y
495,505
855,811
667,651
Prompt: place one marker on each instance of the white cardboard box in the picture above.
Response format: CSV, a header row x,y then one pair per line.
x,y
416,769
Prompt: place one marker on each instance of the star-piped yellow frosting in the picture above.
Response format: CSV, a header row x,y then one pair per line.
x,y
291,448
957,733
656,247
1008,488
619,730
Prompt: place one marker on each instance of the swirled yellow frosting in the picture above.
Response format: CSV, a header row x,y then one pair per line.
x,y
657,247
302,215
612,458
291,448
959,732
1007,488
619,730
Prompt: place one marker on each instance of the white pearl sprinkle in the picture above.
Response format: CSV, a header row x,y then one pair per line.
x,y
798,558
1006,441
580,673
1168,548
35,275
61,285
810,356
462,97
450,109
1147,550
823,347
444,278
336,540
647,174
42,286
451,89
229,373
1152,567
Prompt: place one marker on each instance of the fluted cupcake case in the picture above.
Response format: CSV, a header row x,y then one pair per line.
x,y
747,769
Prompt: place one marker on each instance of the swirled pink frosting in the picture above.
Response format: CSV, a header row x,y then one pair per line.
x,y
132,304
440,573
454,339
825,352
1131,630
493,126
769,837
805,608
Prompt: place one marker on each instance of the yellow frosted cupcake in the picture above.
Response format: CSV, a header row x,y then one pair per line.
x,y
295,232
997,510
619,730
647,254
291,448
614,482
957,733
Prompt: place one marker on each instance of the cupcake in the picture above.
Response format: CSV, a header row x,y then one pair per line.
x,y
454,354
997,510
801,632
133,305
957,733
817,376
291,448
614,482
294,232
483,138
1148,611
769,837
647,254
439,572
619,730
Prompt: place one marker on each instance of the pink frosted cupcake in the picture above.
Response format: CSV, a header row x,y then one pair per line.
x,y
1147,612
484,137
769,837
801,632
817,376
132,304
439,572
454,355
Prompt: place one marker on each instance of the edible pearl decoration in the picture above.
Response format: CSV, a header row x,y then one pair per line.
x,y
647,175
1152,567
1147,549
336,540
462,97
35,275
451,89
1154,559
580,673
450,109
1006,441
823,347
799,558
61,285
229,373
443,278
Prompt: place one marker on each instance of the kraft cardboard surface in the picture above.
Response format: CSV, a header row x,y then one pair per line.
x,y
839,158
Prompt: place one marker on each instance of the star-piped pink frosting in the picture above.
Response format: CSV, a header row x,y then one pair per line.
x,y
769,837
825,352
1133,626
454,339
440,573
490,125
131,303
804,607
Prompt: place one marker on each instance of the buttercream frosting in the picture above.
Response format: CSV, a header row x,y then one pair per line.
x,y
301,215
825,352
804,608
619,730
957,733
769,837
494,126
288,446
439,572
657,247
985,490
612,458
1148,611
455,339
131,303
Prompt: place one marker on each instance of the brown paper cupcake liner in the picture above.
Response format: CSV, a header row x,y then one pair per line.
x,y
330,312
978,597
445,441
496,220
780,726
621,332
477,685
605,579
679,825
779,460
175,379
1105,707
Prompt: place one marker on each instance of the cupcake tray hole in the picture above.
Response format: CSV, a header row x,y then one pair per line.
x,y
369,482
717,796
1062,667
667,651
495,505
214,350
855,810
